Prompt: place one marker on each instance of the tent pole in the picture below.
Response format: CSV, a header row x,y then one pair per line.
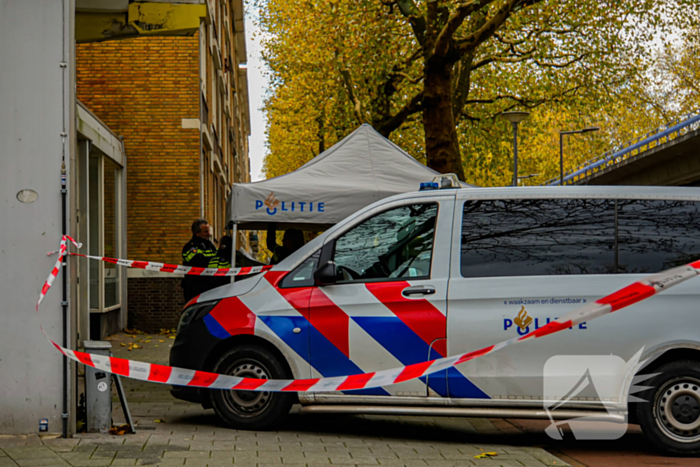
x,y
234,237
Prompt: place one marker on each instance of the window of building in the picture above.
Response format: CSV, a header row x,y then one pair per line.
x,y
394,244
111,224
537,237
104,231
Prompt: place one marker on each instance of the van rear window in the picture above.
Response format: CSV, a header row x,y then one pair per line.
x,y
577,236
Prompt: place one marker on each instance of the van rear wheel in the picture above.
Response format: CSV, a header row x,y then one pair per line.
x,y
251,410
671,416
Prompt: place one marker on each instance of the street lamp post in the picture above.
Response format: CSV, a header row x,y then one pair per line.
x,y
561,148
515,117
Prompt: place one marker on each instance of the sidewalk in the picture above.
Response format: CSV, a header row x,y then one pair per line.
x,y
172,432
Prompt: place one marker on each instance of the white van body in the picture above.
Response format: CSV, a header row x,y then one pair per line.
x,y
503,262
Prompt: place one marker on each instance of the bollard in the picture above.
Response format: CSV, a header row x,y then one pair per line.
x,y
98,391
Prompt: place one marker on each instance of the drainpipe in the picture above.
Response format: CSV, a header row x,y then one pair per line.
x,y
66,4
64,302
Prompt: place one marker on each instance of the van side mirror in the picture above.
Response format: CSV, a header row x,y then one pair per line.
x,y
325,274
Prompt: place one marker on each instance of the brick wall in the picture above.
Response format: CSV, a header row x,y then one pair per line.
x,y
154,303
142,89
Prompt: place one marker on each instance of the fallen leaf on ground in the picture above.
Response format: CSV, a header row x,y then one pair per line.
x,y
123,344
484,455
161,340
171,337
160,420
120,430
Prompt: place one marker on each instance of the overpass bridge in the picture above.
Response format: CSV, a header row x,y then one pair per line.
x,y
666,156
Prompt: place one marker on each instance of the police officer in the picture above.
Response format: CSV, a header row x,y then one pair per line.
x,y
198,252
292,240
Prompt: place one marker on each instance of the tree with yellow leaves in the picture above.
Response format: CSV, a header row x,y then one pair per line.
x,y
434,75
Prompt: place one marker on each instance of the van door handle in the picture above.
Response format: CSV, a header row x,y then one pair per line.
x,y
418,290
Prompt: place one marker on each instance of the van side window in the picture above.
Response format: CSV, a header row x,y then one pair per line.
x,y
654,235
394,244
303,275
528,237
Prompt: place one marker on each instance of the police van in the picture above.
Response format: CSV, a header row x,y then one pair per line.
x,y
440,272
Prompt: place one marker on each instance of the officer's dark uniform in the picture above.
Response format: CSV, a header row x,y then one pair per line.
x,y
222,260
198,252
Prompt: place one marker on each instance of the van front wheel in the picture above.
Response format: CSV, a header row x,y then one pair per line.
x,y
670,417
251,410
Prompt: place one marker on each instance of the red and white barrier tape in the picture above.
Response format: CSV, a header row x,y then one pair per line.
x,y
624,297
177,268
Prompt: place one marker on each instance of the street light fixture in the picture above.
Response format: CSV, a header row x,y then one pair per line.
x,y
561,148
515,117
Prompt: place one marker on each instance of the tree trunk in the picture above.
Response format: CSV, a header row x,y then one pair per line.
x,y
441,143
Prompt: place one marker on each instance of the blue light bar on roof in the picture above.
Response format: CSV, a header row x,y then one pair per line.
x,y
429,186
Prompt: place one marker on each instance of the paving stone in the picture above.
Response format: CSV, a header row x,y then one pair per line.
x,y
61,444
452,463
316,456
269,456
248,457
30,452
293,458
123,462
161,462
349,461
215,454
76,456
186,454
8,441
90,462
544,457
404,462
7,462
153,453
343,452
205,462
41,462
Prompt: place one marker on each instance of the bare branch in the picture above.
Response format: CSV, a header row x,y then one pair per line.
x,y
518,102
491,26
563,65
406,77
349,88
411,12
462,84
525,56
411,107
453,23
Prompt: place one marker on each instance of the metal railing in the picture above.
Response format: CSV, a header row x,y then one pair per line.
x,y
665,133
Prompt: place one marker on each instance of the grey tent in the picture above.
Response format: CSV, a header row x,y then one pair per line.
x,y
357,171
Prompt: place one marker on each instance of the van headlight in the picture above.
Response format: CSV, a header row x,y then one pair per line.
x,y
195,312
